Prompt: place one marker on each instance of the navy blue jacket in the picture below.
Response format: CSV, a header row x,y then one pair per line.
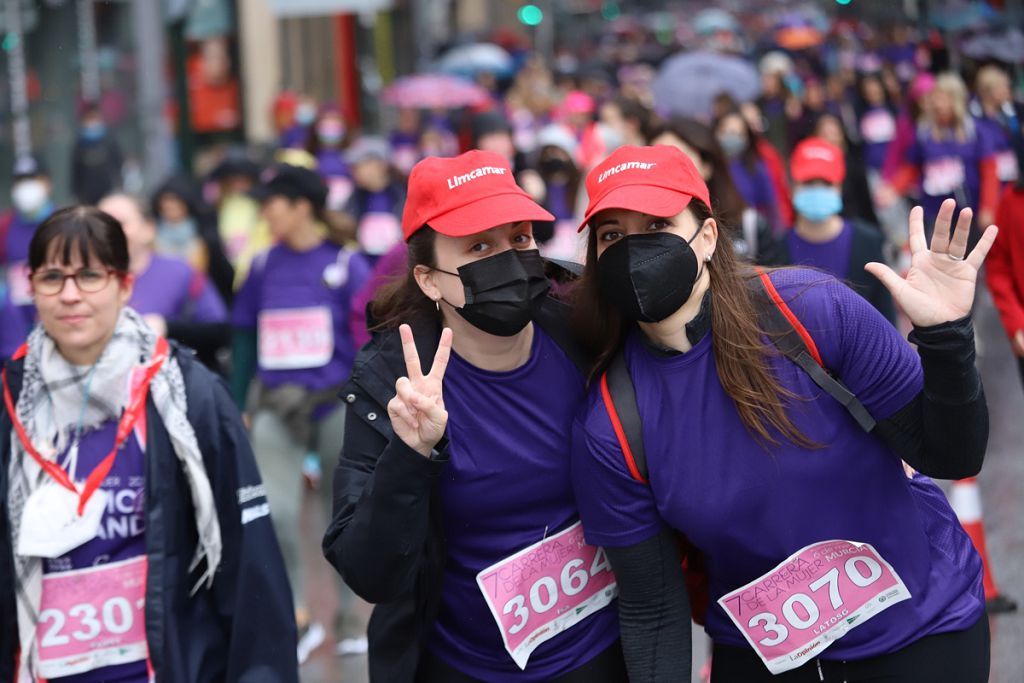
x,y
241,629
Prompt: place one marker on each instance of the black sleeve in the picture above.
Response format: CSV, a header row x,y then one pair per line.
x,y
381,511
206,338
654,609
943,431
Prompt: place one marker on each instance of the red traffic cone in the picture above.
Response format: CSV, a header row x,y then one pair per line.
x,y
966,502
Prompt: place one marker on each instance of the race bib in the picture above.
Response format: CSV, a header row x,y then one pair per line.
x,y
878,126
296,338
339,189
18,286
405,157
812,599
545,589
943,176
1006,166
92,618
378,232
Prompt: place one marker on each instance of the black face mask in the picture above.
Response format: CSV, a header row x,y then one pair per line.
x,y
501,290
649,277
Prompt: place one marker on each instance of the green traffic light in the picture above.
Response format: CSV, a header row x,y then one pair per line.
x,y
843,2
610,10
531,15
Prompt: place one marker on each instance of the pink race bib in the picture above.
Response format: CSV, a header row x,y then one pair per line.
x,y
943,176
378,232
18,285
812,599
92,618
545,589
339,189
878,126
296,338
1006,166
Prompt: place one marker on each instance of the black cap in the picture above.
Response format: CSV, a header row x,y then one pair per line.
x,y
293,182
29,167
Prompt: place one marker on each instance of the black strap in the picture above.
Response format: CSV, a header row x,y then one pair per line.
x,y
788,341
623,394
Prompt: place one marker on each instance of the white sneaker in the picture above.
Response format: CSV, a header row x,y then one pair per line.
x,y
310,638
353,646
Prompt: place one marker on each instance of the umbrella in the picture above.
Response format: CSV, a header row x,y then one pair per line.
x,y
711,21
434,91
1006,47
797,31
476,57
959,15
688,83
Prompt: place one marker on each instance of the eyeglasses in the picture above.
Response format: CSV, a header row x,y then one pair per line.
x,y
88,280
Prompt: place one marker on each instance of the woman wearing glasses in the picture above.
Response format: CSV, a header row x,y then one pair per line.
x,y
135,516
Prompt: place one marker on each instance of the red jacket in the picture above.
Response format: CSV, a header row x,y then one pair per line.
x,y
1005,263
777,171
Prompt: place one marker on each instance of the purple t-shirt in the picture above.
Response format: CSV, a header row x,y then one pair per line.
x,y
748,509
303,300
506,486
833,256
877,129
949,168
757,190
121,535
169,287
14,268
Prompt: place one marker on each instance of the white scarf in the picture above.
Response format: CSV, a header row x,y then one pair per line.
x,y
50,379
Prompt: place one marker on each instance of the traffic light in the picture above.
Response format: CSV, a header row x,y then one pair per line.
x,y
843,2
530,15
610,10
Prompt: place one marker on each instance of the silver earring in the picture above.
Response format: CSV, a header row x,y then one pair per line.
x,y
707,258
437,305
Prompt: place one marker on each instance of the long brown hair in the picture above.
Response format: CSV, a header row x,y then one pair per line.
x,y
737,338
402,300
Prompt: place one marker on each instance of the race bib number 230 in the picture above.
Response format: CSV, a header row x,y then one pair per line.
x,y
546,589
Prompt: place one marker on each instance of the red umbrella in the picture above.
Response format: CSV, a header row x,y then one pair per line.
x,y
434,91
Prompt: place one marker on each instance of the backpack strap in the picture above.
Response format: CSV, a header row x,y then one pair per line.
x,y
620,402
794,341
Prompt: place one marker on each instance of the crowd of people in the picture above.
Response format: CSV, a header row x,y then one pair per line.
x,y
545,367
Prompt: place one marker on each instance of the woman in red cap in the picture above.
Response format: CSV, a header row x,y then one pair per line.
x,y
454,509
825,560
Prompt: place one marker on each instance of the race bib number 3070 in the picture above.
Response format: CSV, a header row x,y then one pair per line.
x,y
812,599
545,589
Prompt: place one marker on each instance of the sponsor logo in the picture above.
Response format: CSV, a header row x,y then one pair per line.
x,y
628,166
457,180
247,493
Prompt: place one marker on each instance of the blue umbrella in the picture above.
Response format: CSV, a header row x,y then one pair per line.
x,y
688,83
469,60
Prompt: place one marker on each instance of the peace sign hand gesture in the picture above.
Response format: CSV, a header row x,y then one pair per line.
x,y
940,285
417,411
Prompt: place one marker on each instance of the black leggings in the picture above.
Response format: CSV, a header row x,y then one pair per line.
x,y
607,667
961,656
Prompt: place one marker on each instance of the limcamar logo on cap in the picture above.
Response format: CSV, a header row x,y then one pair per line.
x,y
628,166
822,153
457,180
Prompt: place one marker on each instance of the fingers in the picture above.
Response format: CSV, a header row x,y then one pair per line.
x,y
411,354
958,246
887,276
444,352
917,240
940,237
399,411
977,257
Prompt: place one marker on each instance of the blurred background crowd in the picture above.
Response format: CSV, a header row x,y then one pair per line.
x,y
185,118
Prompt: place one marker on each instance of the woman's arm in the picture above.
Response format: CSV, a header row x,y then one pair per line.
x,y
381,515
654,609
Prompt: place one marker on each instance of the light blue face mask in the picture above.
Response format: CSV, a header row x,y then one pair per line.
x,y
817,203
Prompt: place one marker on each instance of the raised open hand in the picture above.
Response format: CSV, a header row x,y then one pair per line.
x,y
417,411
939,286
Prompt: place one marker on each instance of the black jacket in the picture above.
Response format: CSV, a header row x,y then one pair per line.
x,y
241,629
386,537
866,248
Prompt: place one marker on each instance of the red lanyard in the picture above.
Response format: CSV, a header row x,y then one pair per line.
x,y
136,405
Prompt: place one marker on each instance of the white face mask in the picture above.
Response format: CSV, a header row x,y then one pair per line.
x,y
29,196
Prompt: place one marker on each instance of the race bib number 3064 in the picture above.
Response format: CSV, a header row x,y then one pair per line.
x,y
92,618
545,589
811,599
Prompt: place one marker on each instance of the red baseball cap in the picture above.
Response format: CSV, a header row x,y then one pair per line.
x,y
659,180
467,194
817,159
